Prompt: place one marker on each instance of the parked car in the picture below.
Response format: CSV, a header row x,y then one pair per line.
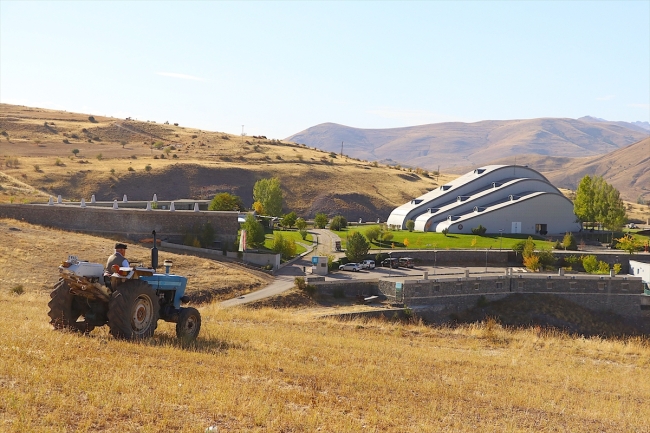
x,y
406,262
390,263
354,267
631,226
368,264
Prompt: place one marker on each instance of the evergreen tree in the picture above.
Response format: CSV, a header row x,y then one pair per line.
x,y
357,247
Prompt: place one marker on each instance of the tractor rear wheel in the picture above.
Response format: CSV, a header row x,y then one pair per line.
x,y
189,324
133,311
66,309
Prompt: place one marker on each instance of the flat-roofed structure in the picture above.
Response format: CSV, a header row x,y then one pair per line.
x,y
501,198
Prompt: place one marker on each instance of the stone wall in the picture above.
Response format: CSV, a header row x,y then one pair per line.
x,y
444,296
131,223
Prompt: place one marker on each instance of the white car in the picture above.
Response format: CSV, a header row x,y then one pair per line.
x,y
354,267
368,264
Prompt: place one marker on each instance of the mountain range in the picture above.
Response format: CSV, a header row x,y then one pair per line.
x,y
454,146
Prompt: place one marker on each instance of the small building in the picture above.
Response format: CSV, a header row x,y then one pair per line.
x,y
640,269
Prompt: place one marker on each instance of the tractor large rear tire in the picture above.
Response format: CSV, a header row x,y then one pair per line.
x,y
133,311
188,325
66,309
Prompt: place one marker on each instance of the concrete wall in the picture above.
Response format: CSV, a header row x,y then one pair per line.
x,y
132,223
444,296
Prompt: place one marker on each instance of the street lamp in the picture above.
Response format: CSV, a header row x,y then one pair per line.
x,y
500,238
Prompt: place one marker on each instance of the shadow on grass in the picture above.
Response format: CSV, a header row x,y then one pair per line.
x,y
201,344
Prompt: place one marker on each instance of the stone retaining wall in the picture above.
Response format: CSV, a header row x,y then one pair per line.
x,y
131,223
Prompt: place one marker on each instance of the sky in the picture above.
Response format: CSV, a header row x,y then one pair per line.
x,y
277,68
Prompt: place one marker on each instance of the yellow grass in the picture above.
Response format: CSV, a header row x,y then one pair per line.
x,y
271,370
283,370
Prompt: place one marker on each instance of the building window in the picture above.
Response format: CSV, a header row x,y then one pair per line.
x,y
477,286
549,285
541,229
499,284
520,284
601,285
436,287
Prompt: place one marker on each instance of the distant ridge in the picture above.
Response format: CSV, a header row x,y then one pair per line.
x,y
457,144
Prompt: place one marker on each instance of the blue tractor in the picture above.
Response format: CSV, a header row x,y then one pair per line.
x,y
130,301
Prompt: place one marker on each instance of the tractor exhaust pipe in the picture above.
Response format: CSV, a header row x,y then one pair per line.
x,y
154,252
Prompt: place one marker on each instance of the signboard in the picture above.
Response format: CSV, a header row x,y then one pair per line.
x,y
314,260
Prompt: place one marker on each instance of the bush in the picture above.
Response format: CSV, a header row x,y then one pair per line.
x,y
303,234
373,233
532,263
569,242
147,168
338,223
17,289
66,141
91,119
75,152
410,225
445,231
480,230
100,157
131,169
590,263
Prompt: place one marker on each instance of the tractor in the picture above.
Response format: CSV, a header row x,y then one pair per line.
x,y
130,300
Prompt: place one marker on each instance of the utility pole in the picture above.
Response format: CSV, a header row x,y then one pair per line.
x,y
341,149
242,134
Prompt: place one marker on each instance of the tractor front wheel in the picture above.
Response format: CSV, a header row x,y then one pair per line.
x,y
133,311
66,309
189,324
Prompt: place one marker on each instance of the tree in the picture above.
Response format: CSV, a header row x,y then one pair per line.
x,y
357,247
75,152
629,243
410,225
321,220
338,223
269,194
257,207
285,247
373,233
226,202
301,224
288,220
583,204
569,242
254,231
596,200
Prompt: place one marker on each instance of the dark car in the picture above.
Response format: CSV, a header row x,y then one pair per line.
x,y
390,263
406,262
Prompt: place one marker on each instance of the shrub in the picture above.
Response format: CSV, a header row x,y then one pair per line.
x,y
590,263
175,124
66,141
373,233
532,263
569,242
37,168
410,225
112,171
174,156
445,231
131,169
58,162
17,289
303,234
338,223
480,230
100,157
75,152
147,168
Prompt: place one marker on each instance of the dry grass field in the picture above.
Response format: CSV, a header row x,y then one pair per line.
x,y
263,369
272,370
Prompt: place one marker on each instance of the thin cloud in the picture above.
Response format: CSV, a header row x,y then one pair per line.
x,y
181,76
605,98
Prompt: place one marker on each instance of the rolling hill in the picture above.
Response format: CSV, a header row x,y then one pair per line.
x,y
118,156
451,145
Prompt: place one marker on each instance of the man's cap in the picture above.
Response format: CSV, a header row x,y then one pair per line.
x,y
119,246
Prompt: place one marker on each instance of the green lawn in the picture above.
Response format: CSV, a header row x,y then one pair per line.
x,y
288,234
429,240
